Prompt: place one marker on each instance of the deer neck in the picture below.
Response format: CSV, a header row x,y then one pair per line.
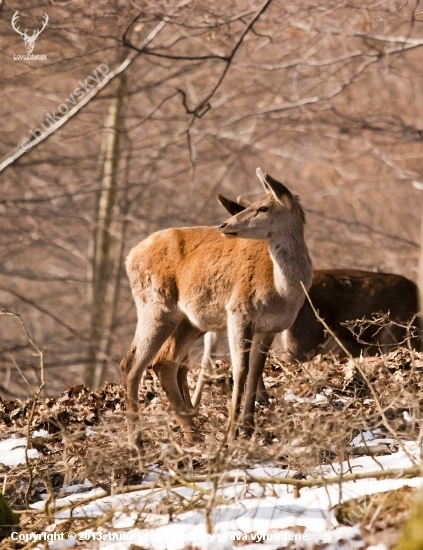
x,y
291,262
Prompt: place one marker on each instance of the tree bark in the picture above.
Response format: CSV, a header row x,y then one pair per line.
x,y
105,251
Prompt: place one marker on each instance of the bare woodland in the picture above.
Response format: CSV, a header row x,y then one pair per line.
x,y
325,96
135,115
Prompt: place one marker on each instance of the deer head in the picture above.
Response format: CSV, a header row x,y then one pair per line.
x,y
272,213
29,40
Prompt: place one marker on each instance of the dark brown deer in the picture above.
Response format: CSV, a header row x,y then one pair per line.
x,y
342,295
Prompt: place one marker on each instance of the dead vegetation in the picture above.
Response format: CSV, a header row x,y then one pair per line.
x,y
317,409
221,89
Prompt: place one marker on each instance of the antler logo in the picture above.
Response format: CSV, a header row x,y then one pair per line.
x,y
29,40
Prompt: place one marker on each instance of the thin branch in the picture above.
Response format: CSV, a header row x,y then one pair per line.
x,y
86,99
190,482
36,394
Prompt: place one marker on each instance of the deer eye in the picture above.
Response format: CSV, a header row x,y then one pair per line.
x,y
263,209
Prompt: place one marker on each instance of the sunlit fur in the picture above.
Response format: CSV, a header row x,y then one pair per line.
x,y
191,280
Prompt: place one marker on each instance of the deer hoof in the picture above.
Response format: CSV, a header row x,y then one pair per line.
x,y
247,425
135,440
247,431
263,399
193,436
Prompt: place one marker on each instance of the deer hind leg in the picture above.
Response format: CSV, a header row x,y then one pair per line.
x,y
211,343
182,378
258,355
153,328
167,367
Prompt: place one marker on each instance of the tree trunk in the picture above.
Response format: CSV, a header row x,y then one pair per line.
x,y
420,284
105,251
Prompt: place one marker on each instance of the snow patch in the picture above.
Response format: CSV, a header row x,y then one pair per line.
x,y
291,397
245,508
12,451
40,433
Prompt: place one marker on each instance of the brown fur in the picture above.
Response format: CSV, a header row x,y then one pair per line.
x,y
342,295
245,276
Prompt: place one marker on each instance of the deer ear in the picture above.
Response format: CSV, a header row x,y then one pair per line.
x,y
231,206
281,193
243,202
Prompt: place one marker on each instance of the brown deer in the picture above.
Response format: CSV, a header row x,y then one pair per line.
x,y
245,276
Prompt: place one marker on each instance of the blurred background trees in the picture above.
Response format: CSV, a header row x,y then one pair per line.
x,y
326,96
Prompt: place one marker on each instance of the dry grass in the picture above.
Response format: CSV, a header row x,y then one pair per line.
x,y
317,408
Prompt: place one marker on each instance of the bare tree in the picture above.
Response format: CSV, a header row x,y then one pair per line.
x,y
325,97
104,251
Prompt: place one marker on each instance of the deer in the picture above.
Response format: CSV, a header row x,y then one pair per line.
x,y
29,40
343,295
247,276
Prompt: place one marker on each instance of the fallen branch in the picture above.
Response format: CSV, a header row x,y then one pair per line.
x,y
395,473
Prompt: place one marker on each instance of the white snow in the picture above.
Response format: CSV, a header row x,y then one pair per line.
x,y
245,508
12,451
71,498
409,418
251,508
40,433
368,439
290,397
366,436
267,512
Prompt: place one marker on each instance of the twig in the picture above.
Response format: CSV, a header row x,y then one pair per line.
x,y
36,394
398,473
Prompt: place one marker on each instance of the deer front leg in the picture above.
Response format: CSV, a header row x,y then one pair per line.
x,y
258,355
262,396
240,337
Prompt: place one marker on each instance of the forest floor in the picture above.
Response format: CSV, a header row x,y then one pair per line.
x,y
333,463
